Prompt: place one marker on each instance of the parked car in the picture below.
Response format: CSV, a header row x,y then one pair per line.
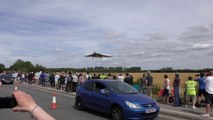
x,y
6,79
117,98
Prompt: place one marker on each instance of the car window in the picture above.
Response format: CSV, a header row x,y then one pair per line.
x,y
88,85
99,86
122,88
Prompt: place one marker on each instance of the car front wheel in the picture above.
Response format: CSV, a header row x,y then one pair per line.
x,y
79,104
117,113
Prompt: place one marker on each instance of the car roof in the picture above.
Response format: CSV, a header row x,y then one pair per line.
x,y
104,80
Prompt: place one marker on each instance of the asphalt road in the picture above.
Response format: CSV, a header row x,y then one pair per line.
x,y
65,104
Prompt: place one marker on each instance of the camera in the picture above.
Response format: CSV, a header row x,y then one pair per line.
x,y
8,102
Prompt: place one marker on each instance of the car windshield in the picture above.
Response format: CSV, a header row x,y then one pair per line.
x,y
121,88
7,77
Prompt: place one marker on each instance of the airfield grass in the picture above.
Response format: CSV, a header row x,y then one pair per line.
x,y
158,79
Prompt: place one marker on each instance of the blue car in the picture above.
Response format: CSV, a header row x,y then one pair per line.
x,y
117,98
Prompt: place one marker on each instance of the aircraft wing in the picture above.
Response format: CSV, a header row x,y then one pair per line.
x,y
105,55
91,55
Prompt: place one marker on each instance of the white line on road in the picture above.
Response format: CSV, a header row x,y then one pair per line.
x,y
50,91
169,117
183,113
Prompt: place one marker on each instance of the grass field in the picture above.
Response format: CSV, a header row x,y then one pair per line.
x,y
159,78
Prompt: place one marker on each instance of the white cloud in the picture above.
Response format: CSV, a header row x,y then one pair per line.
x,y
137,33
58,50
115,34
201,46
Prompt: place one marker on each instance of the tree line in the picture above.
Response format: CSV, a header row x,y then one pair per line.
x,y
27,66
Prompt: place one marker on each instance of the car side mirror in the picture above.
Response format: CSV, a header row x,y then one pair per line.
x,y
104,92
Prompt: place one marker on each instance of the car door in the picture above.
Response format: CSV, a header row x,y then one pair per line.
x,y
99,101
86,93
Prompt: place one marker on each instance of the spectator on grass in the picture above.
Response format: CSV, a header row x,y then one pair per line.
x,y
149,82
190,92
149,79
88,76
166,86
109,76
143,83
103,76
128,79
201,89
95,76
120,77
209,93
176,85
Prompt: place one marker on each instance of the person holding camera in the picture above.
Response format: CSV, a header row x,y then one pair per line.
x,y
25,103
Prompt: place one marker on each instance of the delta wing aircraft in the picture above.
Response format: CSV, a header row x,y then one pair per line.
x,y
98,55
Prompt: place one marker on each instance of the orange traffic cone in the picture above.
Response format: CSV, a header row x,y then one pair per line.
x,y
53,105
15,89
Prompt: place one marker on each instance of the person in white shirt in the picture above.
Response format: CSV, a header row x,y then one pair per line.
x,y
121,77
57,76
166,86
209,93
75,82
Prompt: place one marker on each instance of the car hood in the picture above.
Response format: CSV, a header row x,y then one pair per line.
x,y
136,98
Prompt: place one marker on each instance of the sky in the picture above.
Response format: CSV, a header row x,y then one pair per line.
x,y
151,34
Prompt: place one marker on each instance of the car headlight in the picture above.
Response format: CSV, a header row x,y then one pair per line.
x,y
156,102
132,105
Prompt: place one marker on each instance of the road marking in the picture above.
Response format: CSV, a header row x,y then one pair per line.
x,y
49,91
169,117
186,114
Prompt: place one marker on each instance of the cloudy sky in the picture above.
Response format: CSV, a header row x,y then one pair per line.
x,y
151,34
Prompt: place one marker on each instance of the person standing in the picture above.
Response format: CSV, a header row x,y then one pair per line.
x,y
62,81
166,87
149,81
42,77
81,79
209,93
69,82
52,80
120,77
190,92
201,90
30,77
56,80
75,82
88,76
143,84
176,85
128,79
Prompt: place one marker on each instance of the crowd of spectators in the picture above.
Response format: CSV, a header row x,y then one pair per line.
x,y
65,81
195,89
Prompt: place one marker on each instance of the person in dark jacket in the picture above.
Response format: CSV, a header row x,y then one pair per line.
x,y
52,80
42,77
176,85
128,79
